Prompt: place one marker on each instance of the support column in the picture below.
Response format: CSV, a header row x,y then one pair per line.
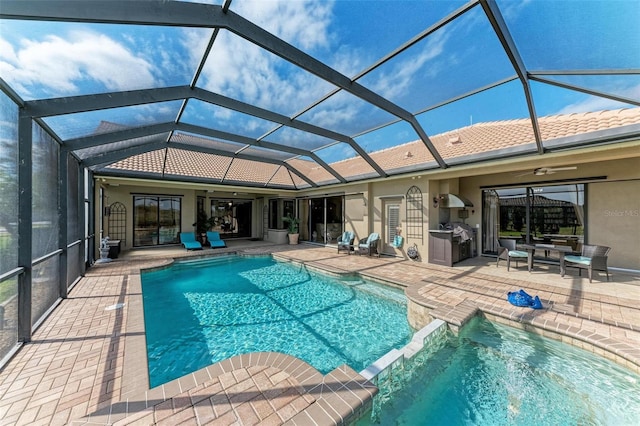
x,y
91,217
63,189
25,225
81,218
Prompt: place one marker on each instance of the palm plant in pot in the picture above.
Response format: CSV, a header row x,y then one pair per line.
x,y
292,228
202,226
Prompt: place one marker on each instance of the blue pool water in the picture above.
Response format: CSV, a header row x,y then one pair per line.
x,y
201,312
496,375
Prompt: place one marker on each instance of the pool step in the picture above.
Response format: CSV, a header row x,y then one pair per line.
x,y
393,359
457,315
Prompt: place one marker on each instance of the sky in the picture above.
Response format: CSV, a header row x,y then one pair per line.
x,y
50,59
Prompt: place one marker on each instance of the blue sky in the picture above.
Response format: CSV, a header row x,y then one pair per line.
x,y
49,59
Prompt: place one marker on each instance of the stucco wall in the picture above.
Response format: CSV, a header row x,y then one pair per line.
x,y
394,192
613,216
124,194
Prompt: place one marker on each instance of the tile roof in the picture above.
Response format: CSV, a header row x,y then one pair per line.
x,y
494,135
149,162
196,164
470,140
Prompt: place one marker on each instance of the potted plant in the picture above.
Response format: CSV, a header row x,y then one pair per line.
x,y
292,228
202,225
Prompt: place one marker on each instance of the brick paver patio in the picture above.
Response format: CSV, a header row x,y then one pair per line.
x,y
86,363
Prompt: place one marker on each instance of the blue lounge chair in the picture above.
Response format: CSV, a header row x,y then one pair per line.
x,y
188,240
345,242
214,239
370,246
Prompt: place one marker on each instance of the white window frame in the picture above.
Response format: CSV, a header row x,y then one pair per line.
x,y
393,220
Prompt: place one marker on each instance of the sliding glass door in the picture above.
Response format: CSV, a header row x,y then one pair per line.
x,y
323,218
156,220
537,214
231,217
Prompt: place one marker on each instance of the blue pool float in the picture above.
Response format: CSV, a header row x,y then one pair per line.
x,y
522,298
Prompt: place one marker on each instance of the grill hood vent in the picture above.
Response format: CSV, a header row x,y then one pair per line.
x,y
453,201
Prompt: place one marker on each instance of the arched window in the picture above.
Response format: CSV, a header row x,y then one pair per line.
x,y
415,219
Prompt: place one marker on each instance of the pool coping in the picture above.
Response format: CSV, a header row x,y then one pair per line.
x,y
531,320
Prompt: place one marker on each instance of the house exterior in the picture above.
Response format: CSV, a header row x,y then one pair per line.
x,y
602,181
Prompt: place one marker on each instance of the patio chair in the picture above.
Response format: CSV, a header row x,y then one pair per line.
x,y
345,242
214,239
370,245
507,251
188,240
592,258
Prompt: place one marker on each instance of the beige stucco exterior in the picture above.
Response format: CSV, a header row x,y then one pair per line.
x,y
612,217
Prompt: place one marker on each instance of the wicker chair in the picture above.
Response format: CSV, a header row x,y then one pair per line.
x,y
592,258
507,251
370,245
345,242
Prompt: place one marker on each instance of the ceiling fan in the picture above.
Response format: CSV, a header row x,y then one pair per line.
x,y
543,171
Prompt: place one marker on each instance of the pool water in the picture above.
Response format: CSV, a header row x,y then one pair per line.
x,y
497,375
201,312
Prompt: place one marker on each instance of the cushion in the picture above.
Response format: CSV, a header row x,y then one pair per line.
x,y
578,259
517,253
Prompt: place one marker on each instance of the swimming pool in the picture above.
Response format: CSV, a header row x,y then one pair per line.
x,y
497,375
201,312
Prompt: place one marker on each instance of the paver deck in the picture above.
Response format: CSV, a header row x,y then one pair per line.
x,y
86,363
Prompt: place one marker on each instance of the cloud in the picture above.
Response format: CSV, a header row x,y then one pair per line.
x,y
404,72
513,9
301,23
7,52
241,70
338,109
60,65
596,103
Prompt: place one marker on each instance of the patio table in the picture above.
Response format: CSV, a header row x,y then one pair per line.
x,y
531,248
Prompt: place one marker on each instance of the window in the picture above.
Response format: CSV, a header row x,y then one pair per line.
x,y
279,208
393,221
156,220
273,214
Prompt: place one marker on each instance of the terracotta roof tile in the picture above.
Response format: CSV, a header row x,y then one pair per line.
x,y
408,154
474,139
150,162
196,164
354,168
311,170
491,136
203,142
282,177
250,171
